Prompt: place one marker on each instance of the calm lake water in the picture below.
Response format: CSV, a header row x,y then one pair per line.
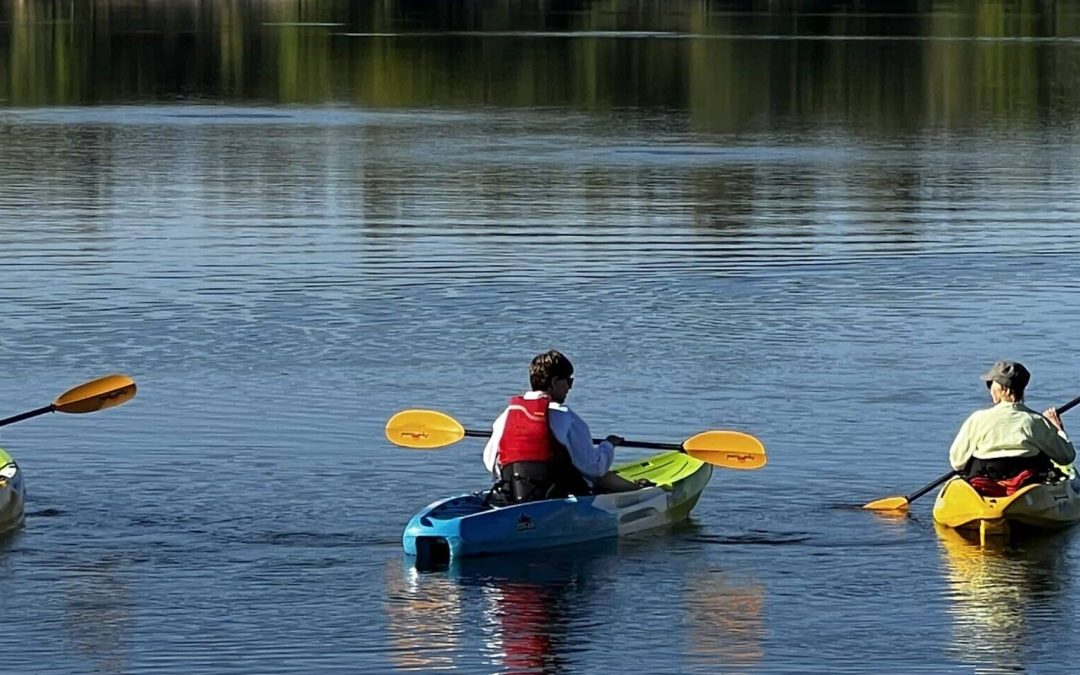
x,y
287,220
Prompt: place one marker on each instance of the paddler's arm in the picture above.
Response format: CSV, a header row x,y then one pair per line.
x,y
1056,443
613,482
491,450
570,430
963,446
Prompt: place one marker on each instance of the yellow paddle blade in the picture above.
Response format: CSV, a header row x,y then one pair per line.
x,y
423,429
104,392
729,449
889,504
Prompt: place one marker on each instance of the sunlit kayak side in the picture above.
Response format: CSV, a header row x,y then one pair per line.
x,y
1044,506
12,494
466,526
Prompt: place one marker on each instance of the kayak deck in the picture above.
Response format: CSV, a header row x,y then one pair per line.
x,y
1040,506
12,494
467,526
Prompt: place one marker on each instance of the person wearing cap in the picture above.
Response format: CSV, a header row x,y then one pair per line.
x,y
1009,439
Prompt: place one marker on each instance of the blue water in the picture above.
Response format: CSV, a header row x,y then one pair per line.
x,y
280,277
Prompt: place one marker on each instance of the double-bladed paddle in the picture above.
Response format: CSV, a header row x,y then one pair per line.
x,y
431,429
104,392
901,503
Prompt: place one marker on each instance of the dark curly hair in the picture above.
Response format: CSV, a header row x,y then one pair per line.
x,y
546,367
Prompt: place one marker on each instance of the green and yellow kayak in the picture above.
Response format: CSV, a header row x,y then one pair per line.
x,y
12,494
1042,506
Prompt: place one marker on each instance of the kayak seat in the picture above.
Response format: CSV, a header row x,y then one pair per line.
x,y
533,481
498,495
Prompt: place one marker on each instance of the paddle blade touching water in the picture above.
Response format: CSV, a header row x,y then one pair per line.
x,y
902,503
889,504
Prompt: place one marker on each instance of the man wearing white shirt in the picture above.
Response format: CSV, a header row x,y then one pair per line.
x,y
540,449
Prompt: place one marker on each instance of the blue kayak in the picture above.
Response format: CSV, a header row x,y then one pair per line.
x,y
463,526
12,494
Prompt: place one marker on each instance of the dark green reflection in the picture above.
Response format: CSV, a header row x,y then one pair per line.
x,y
731,66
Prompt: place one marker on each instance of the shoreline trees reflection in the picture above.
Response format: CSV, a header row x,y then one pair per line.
x,y
730,68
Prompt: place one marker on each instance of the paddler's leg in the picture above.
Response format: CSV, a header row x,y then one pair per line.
x,y
613,482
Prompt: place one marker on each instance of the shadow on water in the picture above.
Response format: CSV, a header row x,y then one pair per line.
x,y
755,538
1006,597
97,613
46,513
9,539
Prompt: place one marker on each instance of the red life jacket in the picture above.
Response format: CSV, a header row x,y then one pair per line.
x,y
527,436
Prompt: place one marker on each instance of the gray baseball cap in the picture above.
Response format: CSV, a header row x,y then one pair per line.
x,y
1008,374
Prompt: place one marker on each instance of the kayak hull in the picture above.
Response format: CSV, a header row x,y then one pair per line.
x,y
463,526
12,494
1041,506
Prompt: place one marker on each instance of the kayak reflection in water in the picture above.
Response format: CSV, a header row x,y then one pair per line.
x,y
531,629
531,603
1005,447
1006,601
540,449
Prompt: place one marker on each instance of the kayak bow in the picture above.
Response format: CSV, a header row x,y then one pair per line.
x,y
12,494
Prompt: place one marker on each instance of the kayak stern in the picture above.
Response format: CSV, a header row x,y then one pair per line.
x,y
1039,506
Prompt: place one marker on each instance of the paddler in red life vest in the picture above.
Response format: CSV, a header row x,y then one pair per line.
x,y
540,449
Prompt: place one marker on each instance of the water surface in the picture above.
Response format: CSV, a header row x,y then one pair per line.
x,y
287,221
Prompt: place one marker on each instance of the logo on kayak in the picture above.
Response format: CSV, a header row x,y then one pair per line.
x,y
525,523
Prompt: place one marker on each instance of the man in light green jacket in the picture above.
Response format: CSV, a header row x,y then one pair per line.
x,y
1002,441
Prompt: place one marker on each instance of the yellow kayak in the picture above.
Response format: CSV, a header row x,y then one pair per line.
x,y
1043,506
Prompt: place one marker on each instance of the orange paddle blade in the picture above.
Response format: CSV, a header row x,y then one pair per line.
x,y
889,504
729,449
104,392
423,429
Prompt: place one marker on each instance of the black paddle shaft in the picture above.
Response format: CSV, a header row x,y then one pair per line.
x,y
626,444
1068,406
33,413
927,488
